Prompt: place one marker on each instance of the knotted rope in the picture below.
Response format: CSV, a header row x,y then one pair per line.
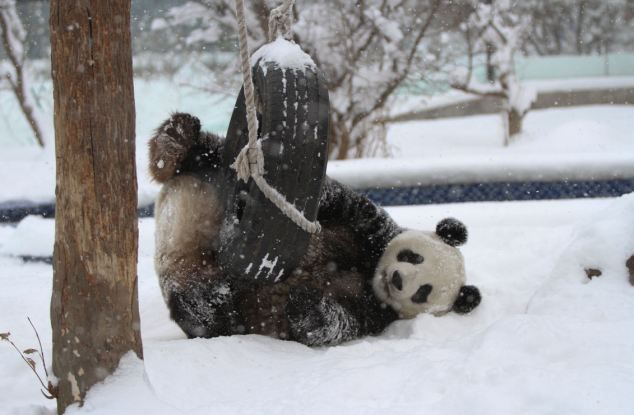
x,y
281,20
250,160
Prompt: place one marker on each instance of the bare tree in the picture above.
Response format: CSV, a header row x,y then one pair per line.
x,y
579,27
13,40
367,49
494,28
94,308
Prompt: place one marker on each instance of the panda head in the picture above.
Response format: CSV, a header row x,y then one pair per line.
x,y
423,272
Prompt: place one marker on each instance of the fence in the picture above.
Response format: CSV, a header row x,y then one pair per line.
x,y
402,182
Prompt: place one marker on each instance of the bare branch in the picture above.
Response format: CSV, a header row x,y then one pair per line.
x,y
39,342
366,49
10,27
6,337
395,82
479,92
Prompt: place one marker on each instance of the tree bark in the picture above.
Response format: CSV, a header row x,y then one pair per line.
x,y
339,140
94,307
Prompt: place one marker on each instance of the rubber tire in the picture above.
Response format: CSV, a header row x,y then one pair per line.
x,y
258,241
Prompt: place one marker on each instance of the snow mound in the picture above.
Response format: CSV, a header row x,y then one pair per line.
x,y
34,236
127,381
605,243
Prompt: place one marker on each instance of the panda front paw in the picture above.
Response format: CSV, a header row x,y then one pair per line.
x,y
170,144
318,320
468,299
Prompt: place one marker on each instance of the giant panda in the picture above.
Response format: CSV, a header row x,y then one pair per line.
x,y
341,289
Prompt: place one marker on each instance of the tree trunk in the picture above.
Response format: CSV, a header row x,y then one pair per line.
x,y
514,122
338,138
490,50
579,28
94,308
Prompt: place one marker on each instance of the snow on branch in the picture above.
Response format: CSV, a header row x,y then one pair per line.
x,y
497,31
13,38
367,50
13,33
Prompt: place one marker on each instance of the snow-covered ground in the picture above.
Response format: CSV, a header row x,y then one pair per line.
x,y
544,340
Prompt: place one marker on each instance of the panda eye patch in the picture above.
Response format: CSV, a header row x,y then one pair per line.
x,y
422,293
407,255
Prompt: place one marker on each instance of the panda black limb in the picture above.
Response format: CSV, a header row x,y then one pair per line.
x,y
468,299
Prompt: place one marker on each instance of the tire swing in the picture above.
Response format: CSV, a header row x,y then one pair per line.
x,y
280,121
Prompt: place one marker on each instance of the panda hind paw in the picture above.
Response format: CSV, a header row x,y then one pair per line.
x,y
302,301
182,127
170,144
304,313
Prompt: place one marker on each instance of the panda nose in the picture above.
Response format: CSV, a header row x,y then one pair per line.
x,y
397,281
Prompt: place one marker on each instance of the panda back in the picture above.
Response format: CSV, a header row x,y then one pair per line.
x,y
188,214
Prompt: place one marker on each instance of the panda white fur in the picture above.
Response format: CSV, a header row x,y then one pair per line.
x,y
344,281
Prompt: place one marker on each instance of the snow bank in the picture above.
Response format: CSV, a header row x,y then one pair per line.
x,y
365,173
604,243
124,383
34,236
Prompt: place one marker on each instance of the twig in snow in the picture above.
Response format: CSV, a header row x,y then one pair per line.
x,y
49,390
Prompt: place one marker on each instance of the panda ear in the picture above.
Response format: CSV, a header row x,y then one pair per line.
x,y
452,231
468,299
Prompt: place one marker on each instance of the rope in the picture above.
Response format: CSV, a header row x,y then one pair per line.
x,y
280,21
250,160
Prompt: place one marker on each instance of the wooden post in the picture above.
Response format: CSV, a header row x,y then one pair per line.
x,y
94,307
